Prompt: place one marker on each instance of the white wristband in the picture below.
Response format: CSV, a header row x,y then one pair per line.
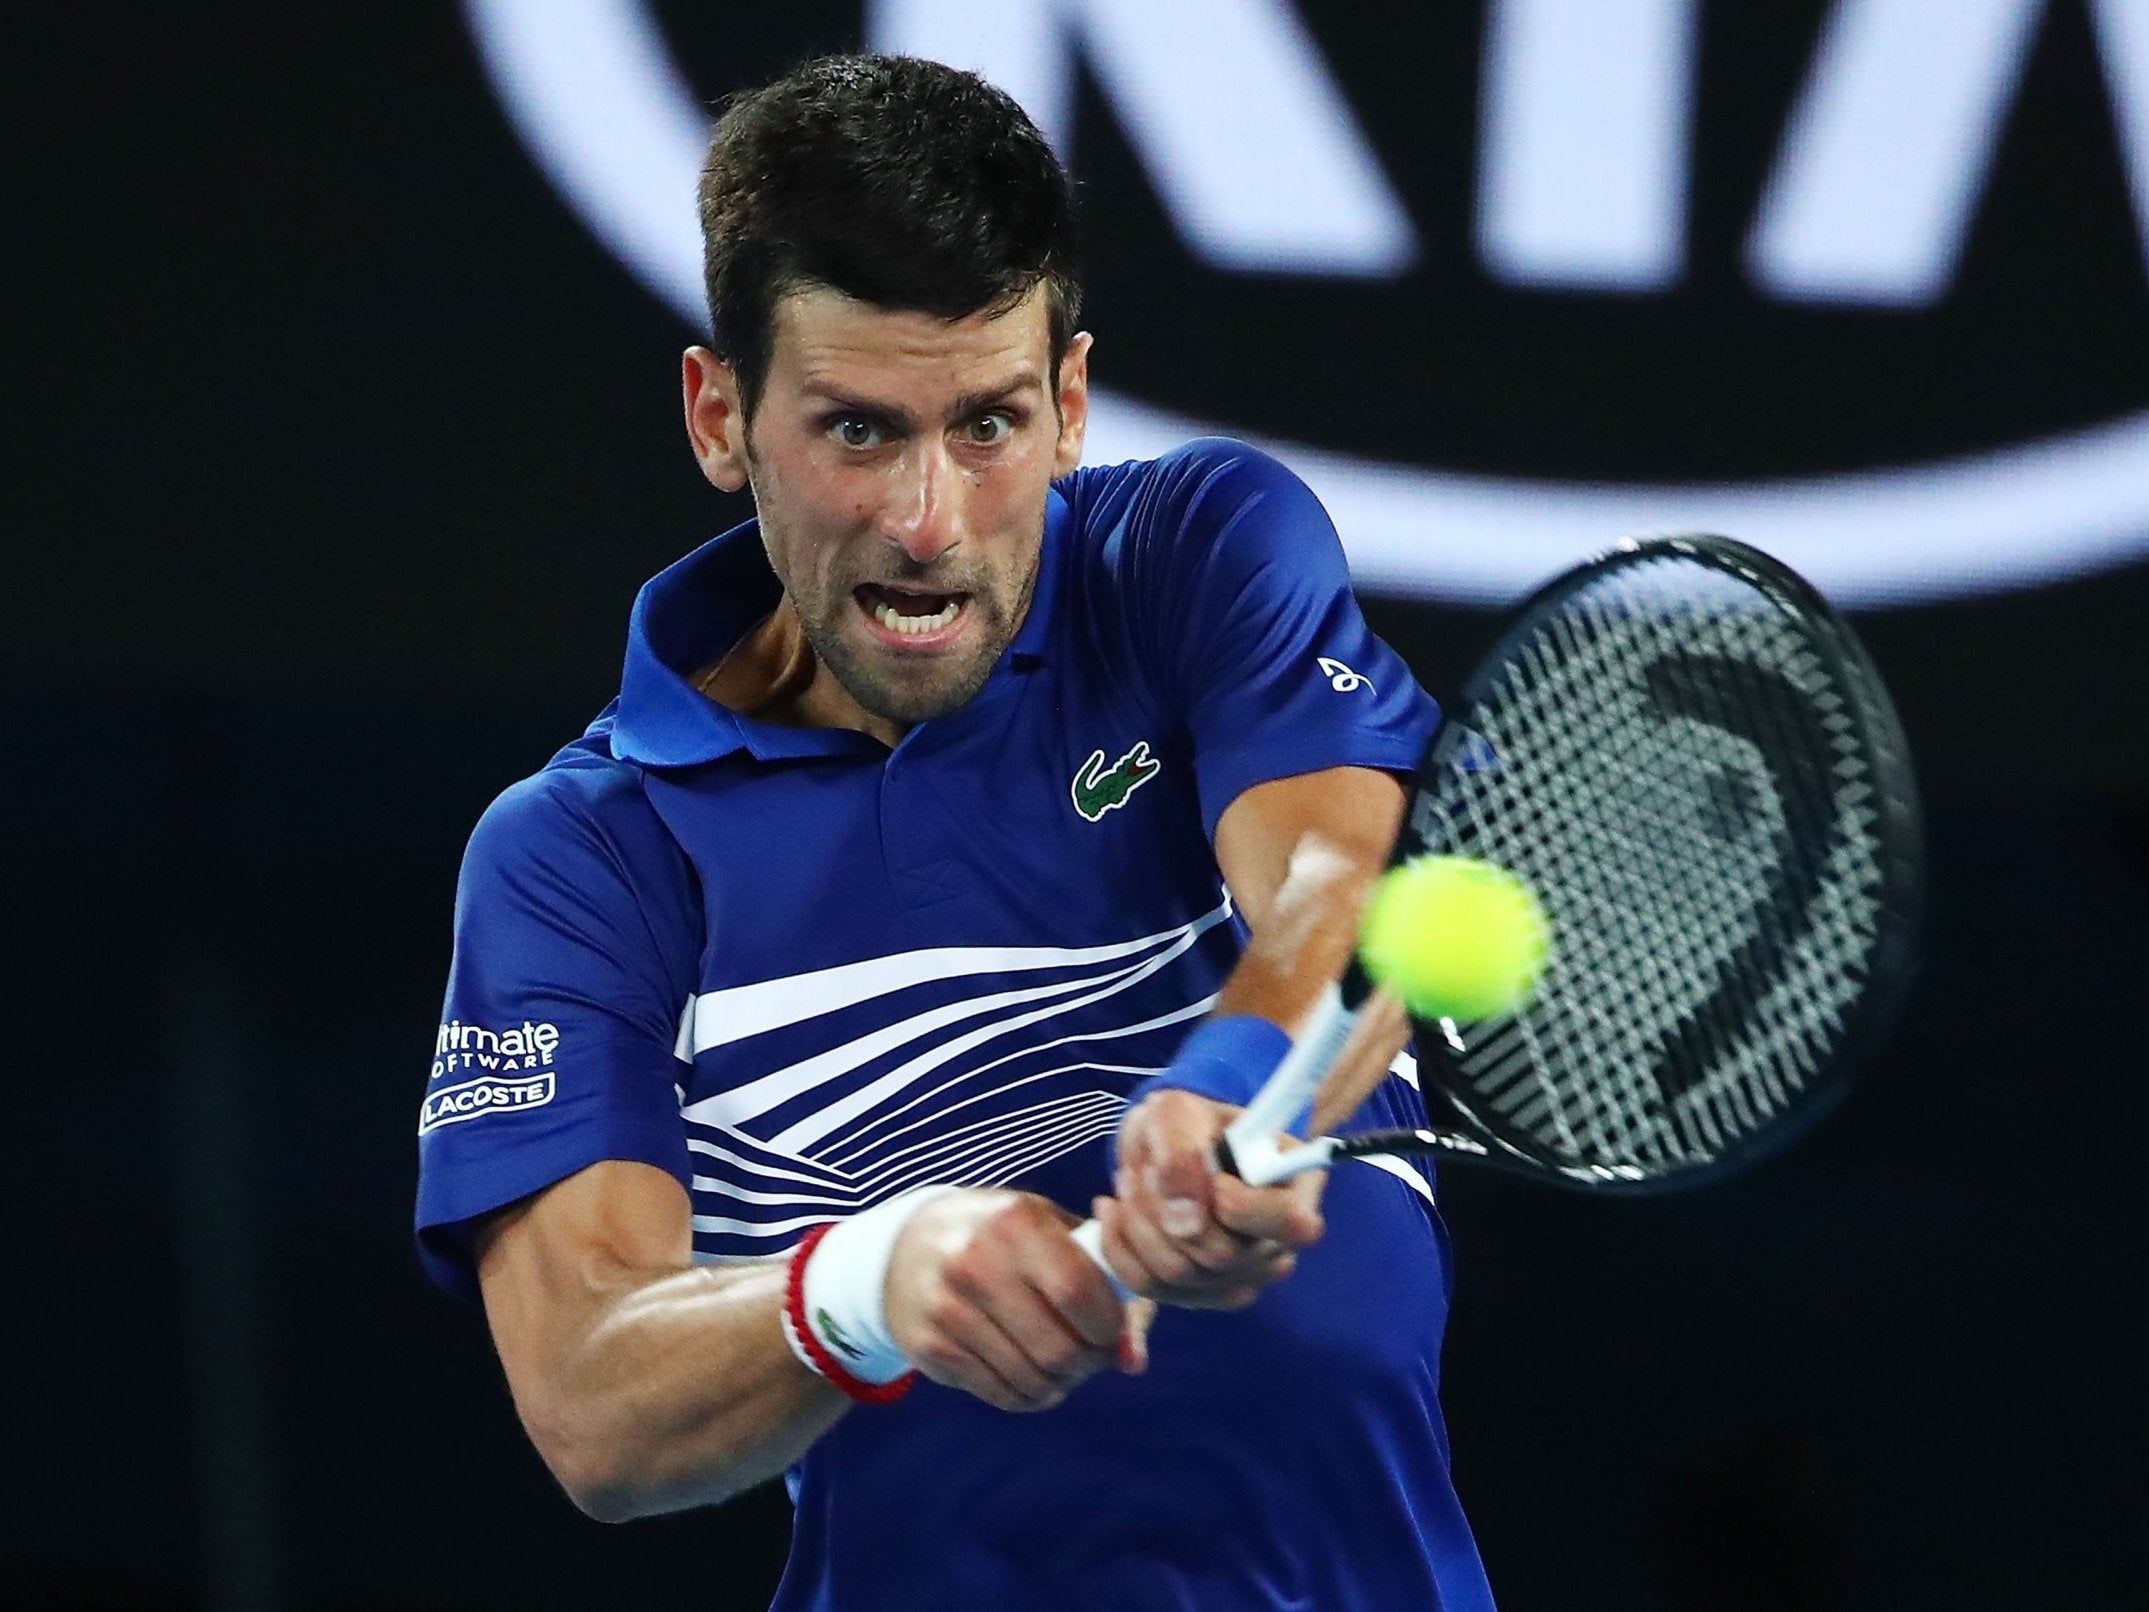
x,y
845,1288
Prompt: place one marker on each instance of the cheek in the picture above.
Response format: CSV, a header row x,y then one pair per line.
x,y
808,521
1012,507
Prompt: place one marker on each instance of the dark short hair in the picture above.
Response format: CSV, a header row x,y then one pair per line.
x,y
904,183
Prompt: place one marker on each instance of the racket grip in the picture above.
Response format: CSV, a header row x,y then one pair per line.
x,y
1089,1237
1272,1164
1250,1146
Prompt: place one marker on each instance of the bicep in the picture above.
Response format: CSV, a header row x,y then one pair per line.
x,y
1352,812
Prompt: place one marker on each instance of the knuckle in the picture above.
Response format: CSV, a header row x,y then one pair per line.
x,y
1029,1385
944,1313
1209,1258
1062,1296
936,1353
1059,1360
1016,1222
1179,1118
1073,1290
966,1274
1174,1269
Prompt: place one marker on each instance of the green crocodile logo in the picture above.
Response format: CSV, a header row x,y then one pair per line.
x,y
1097,788
834,1334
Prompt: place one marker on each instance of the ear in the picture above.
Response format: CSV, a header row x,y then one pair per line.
x,y
715,423
1074,406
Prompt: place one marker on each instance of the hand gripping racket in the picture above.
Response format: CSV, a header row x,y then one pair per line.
x,y
1691,760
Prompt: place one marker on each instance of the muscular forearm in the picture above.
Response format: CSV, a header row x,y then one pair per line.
x,y
647,1383
683,1393
1301,936
1300,855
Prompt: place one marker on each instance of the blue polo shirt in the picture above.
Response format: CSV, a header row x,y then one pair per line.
x,y
802,972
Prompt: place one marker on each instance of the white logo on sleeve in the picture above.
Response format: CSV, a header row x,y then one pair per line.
x,y
1342,679
474,1099
470,1046
495,1064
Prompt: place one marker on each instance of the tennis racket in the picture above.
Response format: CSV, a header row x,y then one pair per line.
x,y
1691,759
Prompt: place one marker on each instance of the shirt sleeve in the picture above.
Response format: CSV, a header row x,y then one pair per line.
x,y
574,944
1261,641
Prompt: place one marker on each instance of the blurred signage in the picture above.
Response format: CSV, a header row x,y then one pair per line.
x,y
1605,335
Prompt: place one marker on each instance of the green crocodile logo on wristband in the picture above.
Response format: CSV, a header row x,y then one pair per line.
x,y
1097,789
834,1334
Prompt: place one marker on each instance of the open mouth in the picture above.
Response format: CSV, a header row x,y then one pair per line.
x,y
910,613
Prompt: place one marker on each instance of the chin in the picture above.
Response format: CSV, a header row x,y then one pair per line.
x,y
912,699
911,706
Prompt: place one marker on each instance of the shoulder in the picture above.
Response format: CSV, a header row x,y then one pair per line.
x,y
578,791
1210,520
584,815
1194,491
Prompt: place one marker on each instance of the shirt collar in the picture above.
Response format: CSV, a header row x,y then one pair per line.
x,y
690,613
1033,639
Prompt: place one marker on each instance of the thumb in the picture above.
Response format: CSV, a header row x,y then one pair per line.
x,y
1183,1187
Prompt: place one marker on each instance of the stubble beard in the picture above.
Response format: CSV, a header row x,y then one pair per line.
x,y
908,690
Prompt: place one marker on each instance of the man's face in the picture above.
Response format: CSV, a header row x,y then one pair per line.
x,y
899,465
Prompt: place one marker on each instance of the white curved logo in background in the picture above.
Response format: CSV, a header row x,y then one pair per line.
x,y
592,89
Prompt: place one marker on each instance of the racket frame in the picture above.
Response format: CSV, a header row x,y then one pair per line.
x,y
1254,1146
1457,1125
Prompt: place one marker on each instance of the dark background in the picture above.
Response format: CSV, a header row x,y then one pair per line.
x,y
337,450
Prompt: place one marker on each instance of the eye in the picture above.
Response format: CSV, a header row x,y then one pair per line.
x,y
989,430
855,431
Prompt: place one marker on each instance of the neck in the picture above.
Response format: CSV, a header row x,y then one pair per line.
x,y
772,675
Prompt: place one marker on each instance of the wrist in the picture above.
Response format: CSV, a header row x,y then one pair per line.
x,y
1227,1060
835,1311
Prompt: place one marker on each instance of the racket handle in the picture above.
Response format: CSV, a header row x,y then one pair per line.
x,y
1254,1148
1273,1164
1255,1144
1089,1237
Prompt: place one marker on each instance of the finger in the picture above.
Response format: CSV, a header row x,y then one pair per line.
x,y
1179,1162
1229,1283
1148,1268
1166,1258
1134,1341
1033,1250
1009,1346
949,1357
1074,1292
1208,1246
1287,1215
1119,1251
1044,1296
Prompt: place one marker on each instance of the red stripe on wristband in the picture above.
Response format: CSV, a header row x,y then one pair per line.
x,y
794,1314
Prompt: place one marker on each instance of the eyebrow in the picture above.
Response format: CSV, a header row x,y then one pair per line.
x,y
970,403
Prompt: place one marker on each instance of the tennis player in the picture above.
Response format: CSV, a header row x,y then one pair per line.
x,y
967,832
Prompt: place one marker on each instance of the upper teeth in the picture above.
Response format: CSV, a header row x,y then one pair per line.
x,y
893,619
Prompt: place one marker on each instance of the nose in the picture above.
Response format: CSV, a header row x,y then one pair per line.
x,y
923,512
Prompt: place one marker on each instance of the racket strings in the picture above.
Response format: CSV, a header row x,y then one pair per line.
x,y
1682,775
1595,757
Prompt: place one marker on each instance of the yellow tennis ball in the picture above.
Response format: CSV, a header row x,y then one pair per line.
x,y
1454,938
